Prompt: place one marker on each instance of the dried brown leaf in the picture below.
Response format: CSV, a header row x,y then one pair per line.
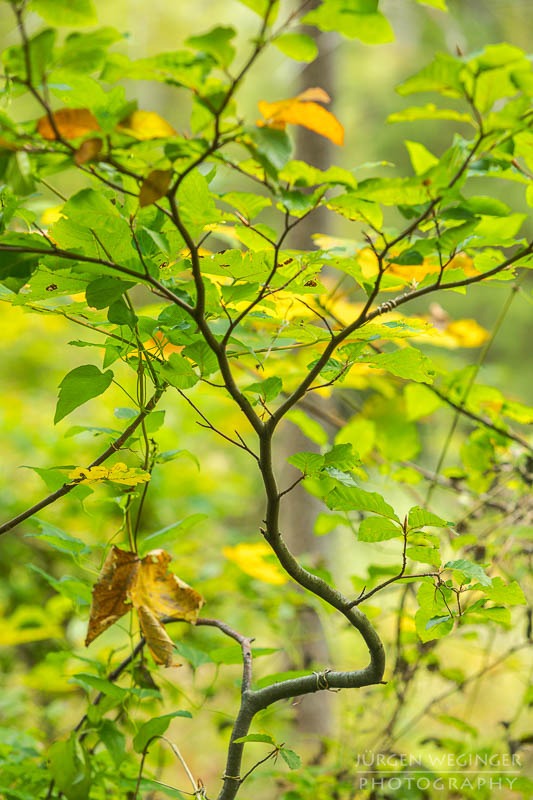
x,y
87,150
111,591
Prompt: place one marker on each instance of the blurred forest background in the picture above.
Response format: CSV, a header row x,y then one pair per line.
x,y
208,478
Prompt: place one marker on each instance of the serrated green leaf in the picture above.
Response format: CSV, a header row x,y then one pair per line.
x,y
78,386
378,529
346,498
419,518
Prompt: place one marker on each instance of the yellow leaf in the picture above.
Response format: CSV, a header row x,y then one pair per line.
x,y
70,123
154,186
146,125
251,559
303,110
118,473
51,215
87,150
128,581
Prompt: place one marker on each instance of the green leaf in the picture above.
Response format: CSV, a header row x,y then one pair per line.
x,y
419,518
256,737
90,682
433,619
272,145
325,523
378,529
74,13
297,46
309,427
347,498
170,534
268,389
471,570
421,158
358,19
114,741
70,768
308,463
509,594
103,292
155,727
179,372
249,205
425,555
194,656
78,386
420,401
354,208
443,75
216,43
58,539
407,363
291,758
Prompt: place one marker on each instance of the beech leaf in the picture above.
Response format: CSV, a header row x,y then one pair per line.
x,y
146,584
70,123
303,110
154,186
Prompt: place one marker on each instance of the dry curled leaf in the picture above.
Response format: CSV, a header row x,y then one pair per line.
x,y
146,584
145,125
303,110
70,123
154,186
87,150
118,473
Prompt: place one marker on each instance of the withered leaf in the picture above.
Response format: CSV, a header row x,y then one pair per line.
x,y
87,150
154,186
70,123
146,584
111,591
160,644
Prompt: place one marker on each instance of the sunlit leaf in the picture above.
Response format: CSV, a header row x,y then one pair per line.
x,y
146,125
303,110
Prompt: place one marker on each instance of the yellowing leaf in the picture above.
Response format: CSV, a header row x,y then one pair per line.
x,y
70,123
145,125
154,186
367,260
51,215
118,473
458,333
145,584
251,559
303,110
87,150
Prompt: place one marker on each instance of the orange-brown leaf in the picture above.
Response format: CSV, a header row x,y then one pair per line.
x,y
87,150
111,591
154,186
70,123
160,644
127,581
303,110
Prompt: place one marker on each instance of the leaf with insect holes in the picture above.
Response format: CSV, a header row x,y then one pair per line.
x,y
118,473
69,123
154,186
127,581
305,111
